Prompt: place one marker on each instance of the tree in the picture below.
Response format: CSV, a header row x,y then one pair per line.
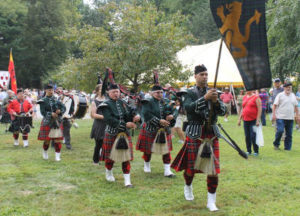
x,y
45,23
283,19
12,16
140,40
199,20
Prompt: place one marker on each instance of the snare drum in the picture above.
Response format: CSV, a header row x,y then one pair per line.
x,y
80,105
67,101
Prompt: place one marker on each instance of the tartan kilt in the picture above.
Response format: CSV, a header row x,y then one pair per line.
x,y
44,131
146,139
108,142
186,158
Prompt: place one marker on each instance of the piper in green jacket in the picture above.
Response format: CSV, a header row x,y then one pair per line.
x,y
155,136
52,111
117,145
200,153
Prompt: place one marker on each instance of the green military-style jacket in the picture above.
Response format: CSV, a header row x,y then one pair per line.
x,y
116,115
48,105
198,111
154,110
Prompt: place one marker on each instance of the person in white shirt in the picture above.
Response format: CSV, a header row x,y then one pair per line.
x,y
284,109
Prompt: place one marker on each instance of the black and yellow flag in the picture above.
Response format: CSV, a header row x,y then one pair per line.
x,y
242,24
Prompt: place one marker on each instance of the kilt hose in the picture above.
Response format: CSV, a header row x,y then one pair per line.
x,y
125,165
24,136
185,159
146,139
108,142
44,132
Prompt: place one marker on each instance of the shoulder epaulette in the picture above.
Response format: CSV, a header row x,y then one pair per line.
x,y
145,100
40,101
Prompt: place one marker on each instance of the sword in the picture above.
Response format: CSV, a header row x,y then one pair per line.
x,y
231,142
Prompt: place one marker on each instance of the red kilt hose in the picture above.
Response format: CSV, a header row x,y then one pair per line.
x,y
44,132
186,158
108,142
146,139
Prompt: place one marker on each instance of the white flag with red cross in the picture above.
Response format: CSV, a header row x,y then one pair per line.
x,y
4,78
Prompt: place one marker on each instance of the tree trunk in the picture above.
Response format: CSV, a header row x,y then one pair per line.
x,y
135,83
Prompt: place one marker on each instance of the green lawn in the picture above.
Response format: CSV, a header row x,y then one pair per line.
x,y
265,185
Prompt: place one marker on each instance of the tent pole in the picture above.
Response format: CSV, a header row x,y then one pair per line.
x,y
234,97
218,63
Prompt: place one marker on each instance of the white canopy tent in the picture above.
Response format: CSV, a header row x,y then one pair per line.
x,y
207,54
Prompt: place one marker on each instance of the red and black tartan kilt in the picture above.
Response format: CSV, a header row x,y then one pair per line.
x,y
108,142
44,132
186,158
146,139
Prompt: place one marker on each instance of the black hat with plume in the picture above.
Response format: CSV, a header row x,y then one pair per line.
x,y
99,81
109,81
48,86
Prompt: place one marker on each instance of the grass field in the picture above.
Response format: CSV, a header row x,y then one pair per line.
x,y
265,185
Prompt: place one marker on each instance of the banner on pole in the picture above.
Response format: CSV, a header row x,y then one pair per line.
x,y
242,24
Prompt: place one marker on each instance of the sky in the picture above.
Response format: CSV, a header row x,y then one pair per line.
x,y
89,2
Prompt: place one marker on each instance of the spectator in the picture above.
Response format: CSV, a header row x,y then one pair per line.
x,y
284,108
251,113
180,118
240,101
298,99
264,97
3,93
5,119
98,129
167,91
275,91
227,98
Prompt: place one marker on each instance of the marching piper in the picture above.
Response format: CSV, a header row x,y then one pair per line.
x,y
51,125
200,152
20,110
155,136
117,144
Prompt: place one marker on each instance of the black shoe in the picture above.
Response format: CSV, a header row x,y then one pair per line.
x,y
171,176
69,147
276,148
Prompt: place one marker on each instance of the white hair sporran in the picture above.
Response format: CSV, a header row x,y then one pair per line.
x,y
160,144
205,157
120,154
55,132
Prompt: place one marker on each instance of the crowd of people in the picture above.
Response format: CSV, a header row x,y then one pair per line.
x,y
159,114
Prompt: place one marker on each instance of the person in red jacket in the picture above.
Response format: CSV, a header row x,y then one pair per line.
x,y
19,107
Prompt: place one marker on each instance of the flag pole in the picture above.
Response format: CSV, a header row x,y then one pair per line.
x,y
215,82
218,63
